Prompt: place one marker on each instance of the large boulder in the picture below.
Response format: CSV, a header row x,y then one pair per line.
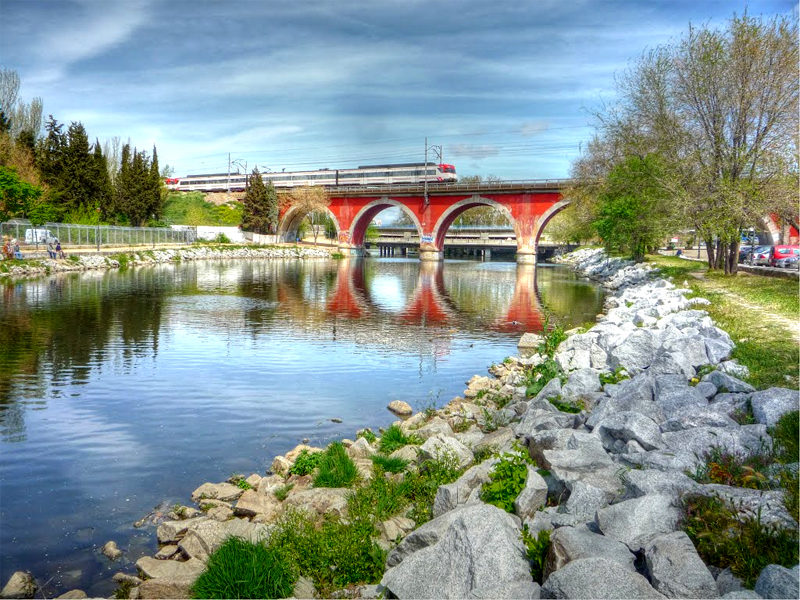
x,y
204,539
636,522
580,383
480,549
533,496
694,444
776,581
173,531
20,585
727,383
770,405
597,577
624,426
585,500
227,492
676,570
640,482
636,352
765,505
573,543
171,570
441,447
452,495
320,501
254,503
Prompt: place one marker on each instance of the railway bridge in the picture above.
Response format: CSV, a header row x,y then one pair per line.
x,y
528,206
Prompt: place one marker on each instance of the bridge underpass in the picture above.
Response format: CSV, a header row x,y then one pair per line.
x,y
474,240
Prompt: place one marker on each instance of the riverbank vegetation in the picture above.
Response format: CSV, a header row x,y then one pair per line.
x,y
703,136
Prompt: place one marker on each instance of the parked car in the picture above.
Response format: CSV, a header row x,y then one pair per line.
x,y
791,262
761,256
781,252
744,252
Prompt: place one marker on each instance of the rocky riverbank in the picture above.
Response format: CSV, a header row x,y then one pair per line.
x,y
615,419
86,262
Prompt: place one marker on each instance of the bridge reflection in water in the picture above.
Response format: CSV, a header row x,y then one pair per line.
x,y
431,303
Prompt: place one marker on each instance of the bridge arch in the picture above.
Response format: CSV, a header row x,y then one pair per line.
x,y
548,215
290,222
364,217
453,211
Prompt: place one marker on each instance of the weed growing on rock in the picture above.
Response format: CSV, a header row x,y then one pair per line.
x,y
537,377
380,499
537,548
336,468
564,406
423,484
368,435
619,374
388,464
485,453
732,469
507,479
744,416
394,438
724,538
242,569
282,492
305,463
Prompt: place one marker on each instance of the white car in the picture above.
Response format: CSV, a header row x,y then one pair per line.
x,y
38,236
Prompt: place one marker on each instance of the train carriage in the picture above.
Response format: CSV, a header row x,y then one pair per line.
x,y
406,173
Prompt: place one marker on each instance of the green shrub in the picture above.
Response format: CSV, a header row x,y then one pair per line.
x,y
242,569
243,485
564,406
305,463
537,377
728,468
222,239
333,554
506,480
336,468
536,551
388,464
423,484
724,538
394,438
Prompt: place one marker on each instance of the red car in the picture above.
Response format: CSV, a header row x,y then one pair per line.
x,y
779,252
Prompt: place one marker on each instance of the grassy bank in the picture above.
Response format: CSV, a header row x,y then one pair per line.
x,y
759,313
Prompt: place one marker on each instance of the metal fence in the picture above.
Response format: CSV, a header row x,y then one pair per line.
x,y
95,236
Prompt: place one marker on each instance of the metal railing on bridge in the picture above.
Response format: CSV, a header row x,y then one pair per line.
x,y
434,188
96,236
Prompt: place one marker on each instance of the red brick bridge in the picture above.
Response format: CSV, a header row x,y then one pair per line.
x,y
528,206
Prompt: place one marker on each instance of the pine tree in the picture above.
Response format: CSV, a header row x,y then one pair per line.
x,y
156,187
256,212
103,190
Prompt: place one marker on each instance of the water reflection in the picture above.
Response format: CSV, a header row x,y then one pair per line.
x,y
120,390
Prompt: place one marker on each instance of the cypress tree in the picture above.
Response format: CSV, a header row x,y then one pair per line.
x,y
255,215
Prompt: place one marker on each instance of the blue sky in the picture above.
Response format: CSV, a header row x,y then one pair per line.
x,y
505,87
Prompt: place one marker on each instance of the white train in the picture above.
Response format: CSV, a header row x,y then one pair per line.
x,y
365,175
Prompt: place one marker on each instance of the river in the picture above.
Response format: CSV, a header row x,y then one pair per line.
x,y
120,391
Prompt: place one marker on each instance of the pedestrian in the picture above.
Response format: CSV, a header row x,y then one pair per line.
x,y
15,248
679,252
8,253
51,251
59,252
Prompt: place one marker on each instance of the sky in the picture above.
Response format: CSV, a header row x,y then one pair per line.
x,y
505,88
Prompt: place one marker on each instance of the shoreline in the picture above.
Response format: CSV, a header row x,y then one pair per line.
x,y
115,260
580,450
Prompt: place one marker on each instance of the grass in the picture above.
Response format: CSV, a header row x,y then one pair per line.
x,y
564,406
368,435
283,491
242,569
728,468
394,438
336,468
763,345
388,464
724,539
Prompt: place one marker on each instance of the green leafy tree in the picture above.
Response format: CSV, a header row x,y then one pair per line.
x,y
17,197
633,210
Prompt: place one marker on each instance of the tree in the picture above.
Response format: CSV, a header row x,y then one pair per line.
x,y
17,197
137,194
9,89
719,109
257,205
633,212
313,201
